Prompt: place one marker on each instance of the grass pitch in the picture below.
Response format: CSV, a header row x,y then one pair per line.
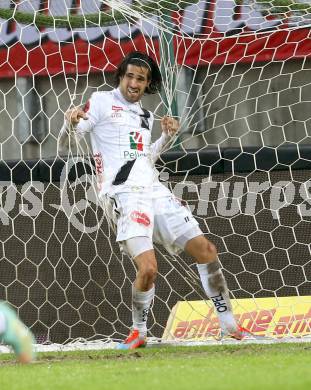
x,y
251,366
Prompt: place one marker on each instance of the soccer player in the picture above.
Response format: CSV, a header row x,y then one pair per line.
x,y
141,208
14,333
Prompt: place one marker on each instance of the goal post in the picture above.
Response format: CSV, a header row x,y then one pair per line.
x,y
237,74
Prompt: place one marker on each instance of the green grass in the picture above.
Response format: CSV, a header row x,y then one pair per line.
x,y
282,366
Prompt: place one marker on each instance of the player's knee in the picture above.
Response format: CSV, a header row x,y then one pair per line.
x,y
212,250
203,250
208,251
148,272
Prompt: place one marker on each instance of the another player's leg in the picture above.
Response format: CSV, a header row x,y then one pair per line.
x,y
14,333
142,290
214,284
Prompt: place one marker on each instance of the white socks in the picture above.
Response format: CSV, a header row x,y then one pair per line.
x,y
141,304
2,323
216,289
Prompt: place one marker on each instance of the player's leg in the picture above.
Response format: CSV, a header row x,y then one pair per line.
x,y
140,250
213,280
181,232
14,333
214,284
134,232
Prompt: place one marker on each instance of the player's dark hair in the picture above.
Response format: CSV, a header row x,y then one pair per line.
x,y
143,60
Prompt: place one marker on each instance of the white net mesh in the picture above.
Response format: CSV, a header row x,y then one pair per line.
x,y
237,74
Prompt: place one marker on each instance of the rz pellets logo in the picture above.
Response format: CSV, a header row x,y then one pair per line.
x,y
136,141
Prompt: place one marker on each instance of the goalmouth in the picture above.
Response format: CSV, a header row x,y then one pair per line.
x,y
237,74
63,270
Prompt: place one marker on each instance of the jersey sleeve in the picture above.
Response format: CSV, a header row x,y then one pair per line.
x,y
159,145
95,109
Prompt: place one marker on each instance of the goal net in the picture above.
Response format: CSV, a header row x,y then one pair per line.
x,y
237,74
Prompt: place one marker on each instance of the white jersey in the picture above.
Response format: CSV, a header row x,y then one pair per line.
x,y
120,134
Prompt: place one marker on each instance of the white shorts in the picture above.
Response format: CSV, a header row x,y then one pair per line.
x,y
164,220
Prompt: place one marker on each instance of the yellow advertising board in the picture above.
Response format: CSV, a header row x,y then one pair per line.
x,y
269,317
